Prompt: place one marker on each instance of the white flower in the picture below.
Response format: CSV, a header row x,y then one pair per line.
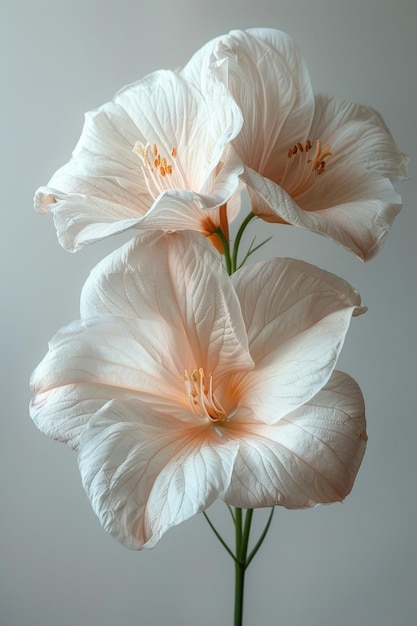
x,y
181,385
152,158
312,162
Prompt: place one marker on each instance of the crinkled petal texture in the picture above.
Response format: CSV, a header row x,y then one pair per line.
x,y
181,385
312,162
310,456
152,158
341,186
269,80
296,317
159,306
145,473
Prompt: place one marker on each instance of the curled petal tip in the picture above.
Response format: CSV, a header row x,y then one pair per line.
x,y
359,310
42,200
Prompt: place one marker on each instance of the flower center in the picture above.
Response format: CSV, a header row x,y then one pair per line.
x,y
201,397
156,168
303,167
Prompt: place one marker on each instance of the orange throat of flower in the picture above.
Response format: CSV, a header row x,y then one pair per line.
x,y
210,227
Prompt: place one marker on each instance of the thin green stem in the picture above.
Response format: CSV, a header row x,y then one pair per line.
x,y
231,512
238,530
242,523
239,235
241,564
261,538
252,249
246,533
242,519
224,544
226,251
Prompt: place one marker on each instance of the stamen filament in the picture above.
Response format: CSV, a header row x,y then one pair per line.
x,y
202,400
295,182
155,167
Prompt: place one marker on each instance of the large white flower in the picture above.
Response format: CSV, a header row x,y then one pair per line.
x,y
312,162
180,385
153,157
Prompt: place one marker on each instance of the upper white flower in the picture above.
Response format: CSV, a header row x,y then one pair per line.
x,y
313,162
180,385
153,157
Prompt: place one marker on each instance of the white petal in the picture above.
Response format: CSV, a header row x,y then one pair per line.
x,y
358,133
269,81
103,164
107,188
92,361
101,190
145,473
353,207
187,210
179,278
62,412
174,114
296,317
309,457
81,220
281,298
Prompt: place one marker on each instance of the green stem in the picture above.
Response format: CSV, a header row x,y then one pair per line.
x,y
251,250
226,251
242,519
242,526
224,544
240,567
239,235
231,512
261,538
246,533
239,591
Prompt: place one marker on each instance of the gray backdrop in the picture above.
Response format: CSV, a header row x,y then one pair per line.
x,y
339,565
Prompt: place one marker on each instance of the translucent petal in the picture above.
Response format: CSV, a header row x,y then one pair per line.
x,y
159,140
296,317
179,278
352,206
310,456
358,133
269,81
145,473
93,361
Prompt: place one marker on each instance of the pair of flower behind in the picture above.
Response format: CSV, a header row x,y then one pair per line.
x,y
181,385
169,151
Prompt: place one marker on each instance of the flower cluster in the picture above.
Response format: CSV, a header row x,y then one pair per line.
x,y
190,376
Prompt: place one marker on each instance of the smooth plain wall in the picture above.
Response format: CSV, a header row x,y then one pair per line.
x,y
339,565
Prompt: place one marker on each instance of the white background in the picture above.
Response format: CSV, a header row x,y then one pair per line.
x,y
340,565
